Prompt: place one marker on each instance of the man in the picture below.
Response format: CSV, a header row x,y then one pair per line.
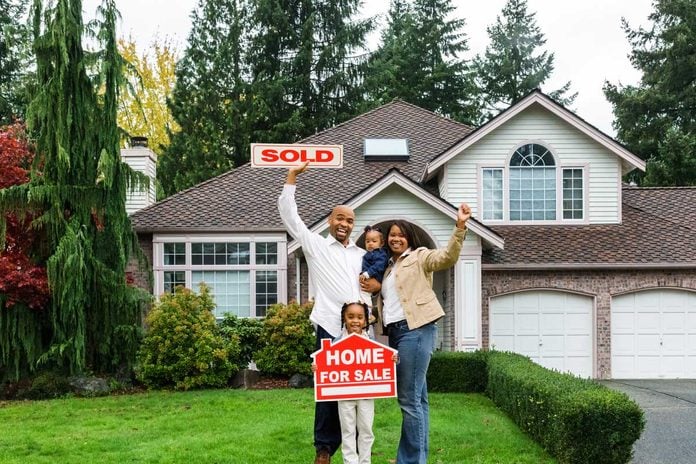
x,y
334,264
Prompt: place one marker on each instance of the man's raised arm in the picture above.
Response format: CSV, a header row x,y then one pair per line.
x,y
288,208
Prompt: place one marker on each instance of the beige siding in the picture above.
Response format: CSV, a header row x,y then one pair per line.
x,y
570,147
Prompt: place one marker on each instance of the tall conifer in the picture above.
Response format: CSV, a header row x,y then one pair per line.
x,y
512,65
421,60
210,99
79,188
305,60
14,65
656,119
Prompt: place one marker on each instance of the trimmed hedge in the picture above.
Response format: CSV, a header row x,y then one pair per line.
x,y
458,372
576,420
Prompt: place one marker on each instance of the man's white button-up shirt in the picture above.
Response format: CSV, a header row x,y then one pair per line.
x,y
334,269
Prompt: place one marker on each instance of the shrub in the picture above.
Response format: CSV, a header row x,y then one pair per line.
x,y
183,346
249,332
576,420
458,372
46,385
289,340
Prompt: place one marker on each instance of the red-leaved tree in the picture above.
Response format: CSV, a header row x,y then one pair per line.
x,y
21,280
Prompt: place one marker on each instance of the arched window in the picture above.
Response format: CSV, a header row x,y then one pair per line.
x,y
532,184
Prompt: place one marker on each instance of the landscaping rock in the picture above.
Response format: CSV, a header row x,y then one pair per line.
x,y
90,386
246,378
301,381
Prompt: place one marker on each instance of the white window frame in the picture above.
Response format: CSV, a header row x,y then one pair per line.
x,y
559,189
583,169
503,191
158,241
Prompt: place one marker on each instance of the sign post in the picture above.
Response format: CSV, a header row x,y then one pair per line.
x,y
284,155
353,368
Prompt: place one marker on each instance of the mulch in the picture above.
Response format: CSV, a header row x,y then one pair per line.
x,y
269,383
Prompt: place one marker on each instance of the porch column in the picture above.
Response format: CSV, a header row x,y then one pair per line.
x,y
467,303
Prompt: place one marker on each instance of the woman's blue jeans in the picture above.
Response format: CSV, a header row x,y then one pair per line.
x,y
415,350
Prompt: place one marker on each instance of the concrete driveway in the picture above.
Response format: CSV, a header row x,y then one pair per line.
x,y
669,436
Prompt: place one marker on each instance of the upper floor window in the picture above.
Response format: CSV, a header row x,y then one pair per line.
x,y
532,184
529,188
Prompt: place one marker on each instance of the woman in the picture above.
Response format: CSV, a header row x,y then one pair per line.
x,y
408,309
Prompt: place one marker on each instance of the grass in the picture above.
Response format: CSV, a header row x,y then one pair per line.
x,y
240,426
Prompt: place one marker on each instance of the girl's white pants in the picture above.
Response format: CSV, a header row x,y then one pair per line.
x,y
356,416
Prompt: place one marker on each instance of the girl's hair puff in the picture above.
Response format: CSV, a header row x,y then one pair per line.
x,y
359,303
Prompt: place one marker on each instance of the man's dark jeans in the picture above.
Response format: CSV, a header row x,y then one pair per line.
x,y
327,426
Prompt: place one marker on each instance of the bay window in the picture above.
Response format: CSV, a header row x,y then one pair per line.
x,y
245,275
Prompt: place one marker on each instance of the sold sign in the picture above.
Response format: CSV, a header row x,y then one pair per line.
x,y
284,155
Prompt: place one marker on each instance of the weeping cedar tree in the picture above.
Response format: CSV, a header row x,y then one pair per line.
x,y
79,188
657,118
420,60
511,66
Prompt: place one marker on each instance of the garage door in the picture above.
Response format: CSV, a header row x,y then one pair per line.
x,y
553,328
653,335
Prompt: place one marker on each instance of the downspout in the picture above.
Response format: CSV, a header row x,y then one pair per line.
x,y
297,279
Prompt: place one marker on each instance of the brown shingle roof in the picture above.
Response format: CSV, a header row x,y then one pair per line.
x,y
658,229
244,199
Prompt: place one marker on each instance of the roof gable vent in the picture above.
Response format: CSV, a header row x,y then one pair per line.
x,y
386,150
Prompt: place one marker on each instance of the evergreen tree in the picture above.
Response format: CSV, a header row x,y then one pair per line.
x,y
420,60
210,98
14,50
305,66
261,71
78,189
657,118
395,69
512,66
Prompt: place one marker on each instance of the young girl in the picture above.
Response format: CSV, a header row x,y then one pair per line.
x,y
356,415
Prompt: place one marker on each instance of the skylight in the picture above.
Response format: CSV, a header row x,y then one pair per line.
x,y
386,150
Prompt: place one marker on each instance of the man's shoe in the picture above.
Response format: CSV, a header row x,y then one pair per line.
x,y
323,457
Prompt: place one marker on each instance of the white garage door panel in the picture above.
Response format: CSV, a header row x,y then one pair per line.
x,y
553,328
654,334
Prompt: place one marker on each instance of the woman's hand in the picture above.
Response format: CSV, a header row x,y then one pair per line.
x,y
463,215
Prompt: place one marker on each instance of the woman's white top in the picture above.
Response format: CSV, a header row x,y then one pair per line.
x,y
392,311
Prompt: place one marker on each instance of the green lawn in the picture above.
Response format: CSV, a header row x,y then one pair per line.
x,y
239,426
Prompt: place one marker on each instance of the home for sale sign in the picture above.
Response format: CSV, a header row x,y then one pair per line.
x,y
284,155
353,368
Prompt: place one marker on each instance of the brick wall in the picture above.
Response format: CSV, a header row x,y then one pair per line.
x,y
142,277
446,324
601,285
292,278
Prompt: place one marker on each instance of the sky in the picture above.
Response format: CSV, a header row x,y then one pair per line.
x,y
586,37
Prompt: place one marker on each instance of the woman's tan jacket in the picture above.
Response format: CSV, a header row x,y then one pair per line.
x,y
414,281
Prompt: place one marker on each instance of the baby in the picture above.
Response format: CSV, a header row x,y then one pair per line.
x,y
375,261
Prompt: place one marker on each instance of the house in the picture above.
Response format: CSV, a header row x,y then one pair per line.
x,y
563,262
